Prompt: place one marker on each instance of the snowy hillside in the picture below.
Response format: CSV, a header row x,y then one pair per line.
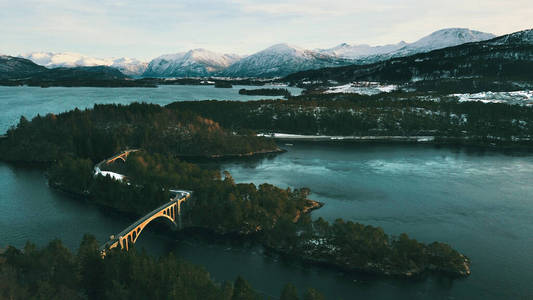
x,y
280,60
359,51
524,37
128,66
275,61
442,39
197,62
363,54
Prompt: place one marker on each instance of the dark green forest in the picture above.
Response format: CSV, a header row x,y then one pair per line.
x,y
54,272
220,204
275,217
73,142
107,129
266,92
394,114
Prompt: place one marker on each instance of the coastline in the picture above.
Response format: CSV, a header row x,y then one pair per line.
x,y
277,150
523,144
328,138
313,256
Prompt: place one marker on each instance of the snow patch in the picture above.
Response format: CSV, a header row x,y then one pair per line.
x,y
362,88
517,97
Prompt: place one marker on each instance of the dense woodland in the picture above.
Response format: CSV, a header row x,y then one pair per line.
x,y
266,92
405,114
107,129
353,246
54,272
74,141
275,216
219,203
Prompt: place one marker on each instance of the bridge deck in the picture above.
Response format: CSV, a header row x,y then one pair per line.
x,y
146,217
181,196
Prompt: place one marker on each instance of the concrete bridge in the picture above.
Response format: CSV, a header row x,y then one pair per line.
x,y
170,211
122,156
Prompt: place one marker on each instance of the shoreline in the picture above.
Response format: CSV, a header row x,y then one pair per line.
x,y
467,142
256,236
328,138
233,156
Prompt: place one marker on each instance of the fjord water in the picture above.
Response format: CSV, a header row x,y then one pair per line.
x,y
480,203
30,101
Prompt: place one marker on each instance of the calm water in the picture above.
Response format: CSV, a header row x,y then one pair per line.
x,y
30,101
480,203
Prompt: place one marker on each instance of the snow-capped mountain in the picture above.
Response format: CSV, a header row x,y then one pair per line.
x,y
363,54
503,63
193,63
442,39
128,66
348,51
283,59
275,61
280,60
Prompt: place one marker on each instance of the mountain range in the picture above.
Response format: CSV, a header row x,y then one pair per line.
x,y
437,40
276,61
193,63
505,61
21,71
128,66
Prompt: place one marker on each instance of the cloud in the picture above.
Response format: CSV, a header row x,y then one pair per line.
x,y
146,29
313,8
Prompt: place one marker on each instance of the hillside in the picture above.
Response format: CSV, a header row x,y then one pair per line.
x,y
448,37
507,58
280,60
15,68
128,66
20,71
193,63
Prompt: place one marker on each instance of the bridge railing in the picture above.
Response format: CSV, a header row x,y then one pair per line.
x,y
181,195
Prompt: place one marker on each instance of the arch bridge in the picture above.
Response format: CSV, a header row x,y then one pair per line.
x,y
170,211
123,155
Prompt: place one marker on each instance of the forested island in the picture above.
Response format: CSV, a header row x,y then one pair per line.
x,y
71,143
265,92
409,114
223,85
107,129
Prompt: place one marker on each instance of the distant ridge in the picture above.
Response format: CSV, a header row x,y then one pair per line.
x,y
508,58
275,61
193,63
128,66
21,71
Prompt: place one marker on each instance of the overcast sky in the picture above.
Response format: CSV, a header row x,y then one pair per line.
x,y
148,28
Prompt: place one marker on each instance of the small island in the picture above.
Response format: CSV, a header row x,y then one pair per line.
x,y
266,92
223,85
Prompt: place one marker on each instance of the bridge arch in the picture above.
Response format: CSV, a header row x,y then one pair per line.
x,y
170,212
137,231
